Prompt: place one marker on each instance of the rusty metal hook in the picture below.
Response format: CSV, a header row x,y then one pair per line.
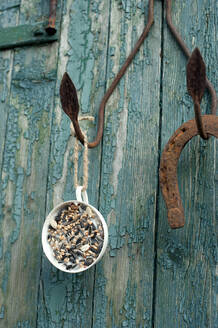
x,y
50,29
69,97
206,126
188,54
68,92
196,83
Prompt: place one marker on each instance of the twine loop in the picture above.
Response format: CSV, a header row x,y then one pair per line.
x,y
85,155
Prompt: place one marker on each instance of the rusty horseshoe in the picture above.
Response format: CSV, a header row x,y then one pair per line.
x,y
168,166
205,126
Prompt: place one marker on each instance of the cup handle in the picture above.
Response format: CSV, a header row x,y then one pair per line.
x,y
81,195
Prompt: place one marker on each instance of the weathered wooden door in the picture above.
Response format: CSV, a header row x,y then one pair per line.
x,y
151,276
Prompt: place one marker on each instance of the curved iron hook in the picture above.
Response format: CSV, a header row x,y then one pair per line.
x,y
196,83
188,54
168,166
69,98
72,111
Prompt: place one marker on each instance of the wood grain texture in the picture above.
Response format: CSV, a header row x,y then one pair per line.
x,y
185,289
7,18
150,276
6,62
124,278
24,176
66,300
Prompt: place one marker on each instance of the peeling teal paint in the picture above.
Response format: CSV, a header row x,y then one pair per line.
x,y
184,257
26,122
17,210
129,308
127,230
75,291
82,61
11,144
131,286
4,69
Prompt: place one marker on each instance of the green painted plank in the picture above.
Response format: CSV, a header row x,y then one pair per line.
x,y
24,177
23,35
185,289
119,291
6,62
6,59
124,278
5,65
66,300
9,5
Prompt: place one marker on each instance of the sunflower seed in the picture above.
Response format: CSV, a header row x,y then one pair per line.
x,y
53,224
76,236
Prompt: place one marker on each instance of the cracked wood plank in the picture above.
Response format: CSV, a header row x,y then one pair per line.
x,y
118,292
185,289
24,174
6,61
124,278
7,18
66,300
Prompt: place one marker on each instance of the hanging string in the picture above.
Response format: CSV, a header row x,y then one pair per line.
x,y
85,156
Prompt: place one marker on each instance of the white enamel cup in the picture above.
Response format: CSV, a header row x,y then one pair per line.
x,y
82,198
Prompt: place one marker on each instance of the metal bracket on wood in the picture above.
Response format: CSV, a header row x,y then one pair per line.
x,y
23,35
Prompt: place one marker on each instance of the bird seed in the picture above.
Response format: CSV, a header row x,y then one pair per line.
x,y
76,236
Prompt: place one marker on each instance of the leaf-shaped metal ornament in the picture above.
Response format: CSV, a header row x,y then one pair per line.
x,y
196,76
70,104
68,95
